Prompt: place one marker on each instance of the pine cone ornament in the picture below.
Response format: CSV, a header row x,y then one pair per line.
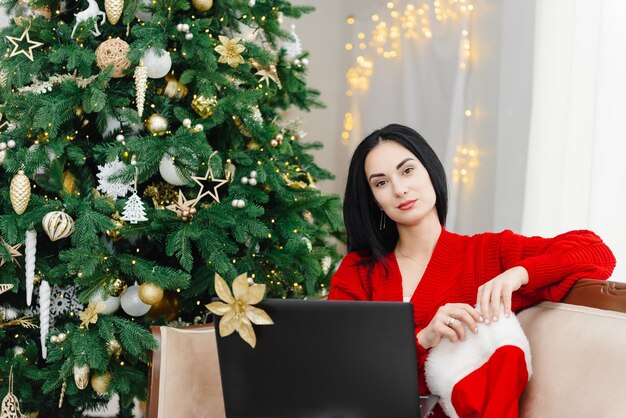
x,y
114,9
20,192
58,225
141,85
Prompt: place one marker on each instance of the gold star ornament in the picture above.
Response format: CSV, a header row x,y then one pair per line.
x,y
230,51
5,287
18,45
183,208
236,310
13,251
211,183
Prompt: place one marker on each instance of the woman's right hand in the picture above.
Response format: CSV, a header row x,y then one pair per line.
x,y
449,322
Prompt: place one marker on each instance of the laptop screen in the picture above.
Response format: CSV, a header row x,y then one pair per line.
x,y
323,359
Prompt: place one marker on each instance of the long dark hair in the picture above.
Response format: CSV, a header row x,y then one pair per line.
x,y
361,213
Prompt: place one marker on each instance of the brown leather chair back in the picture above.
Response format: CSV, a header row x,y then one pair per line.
x,y
184,376
599,294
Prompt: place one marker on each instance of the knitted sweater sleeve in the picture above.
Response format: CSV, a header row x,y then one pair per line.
x,y
348,283
554,264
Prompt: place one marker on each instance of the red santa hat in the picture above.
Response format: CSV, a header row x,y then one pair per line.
x,y
483,376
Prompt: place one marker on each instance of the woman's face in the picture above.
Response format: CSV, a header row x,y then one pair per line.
x,y
400,183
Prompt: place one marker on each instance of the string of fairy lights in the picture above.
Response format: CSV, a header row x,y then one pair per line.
x,y
387,29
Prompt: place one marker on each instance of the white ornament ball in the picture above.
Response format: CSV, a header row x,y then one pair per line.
x,y
61,337
187,123
3,146
11,144
111,303
244,180
199,127
120,138
238,203
179,27
253,174
189,36
252,181
169,173
158,62
57,225
141,14
185,27
131,304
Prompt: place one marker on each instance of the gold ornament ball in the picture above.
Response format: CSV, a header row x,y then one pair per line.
x,y
202,5
116,287
100,383
173,89
156,125
114,348
150,293
167,307
113,51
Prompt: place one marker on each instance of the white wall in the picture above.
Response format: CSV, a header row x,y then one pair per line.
x,y
498,92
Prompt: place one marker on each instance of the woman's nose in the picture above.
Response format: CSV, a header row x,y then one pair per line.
x,y
400,189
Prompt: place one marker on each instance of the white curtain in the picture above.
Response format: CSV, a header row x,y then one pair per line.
x,y
423,87
576,176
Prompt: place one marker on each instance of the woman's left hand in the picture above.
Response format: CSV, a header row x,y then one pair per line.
x,y
499,290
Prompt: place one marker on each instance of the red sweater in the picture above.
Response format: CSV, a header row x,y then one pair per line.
x,y
460,264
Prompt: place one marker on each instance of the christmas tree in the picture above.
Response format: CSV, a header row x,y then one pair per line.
x,y
145,148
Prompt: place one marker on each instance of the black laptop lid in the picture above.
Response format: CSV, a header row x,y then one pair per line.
x,y
323,359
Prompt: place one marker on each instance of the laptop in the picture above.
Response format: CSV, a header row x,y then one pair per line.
x,y
341,359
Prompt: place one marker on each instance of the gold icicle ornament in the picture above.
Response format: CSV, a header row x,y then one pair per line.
x,y
141,85
20,192
237,311
113,9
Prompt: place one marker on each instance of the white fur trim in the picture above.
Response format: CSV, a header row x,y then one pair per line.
x,y
449,362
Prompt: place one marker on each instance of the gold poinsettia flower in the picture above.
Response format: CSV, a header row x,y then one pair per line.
x,y
90,314
230,51
237,312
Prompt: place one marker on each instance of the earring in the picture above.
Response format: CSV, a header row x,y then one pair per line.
x,y
382,225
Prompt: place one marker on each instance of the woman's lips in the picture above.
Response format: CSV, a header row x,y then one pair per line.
x,y
407,205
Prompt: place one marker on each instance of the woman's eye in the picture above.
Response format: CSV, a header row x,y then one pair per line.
x,y
408,170
380,183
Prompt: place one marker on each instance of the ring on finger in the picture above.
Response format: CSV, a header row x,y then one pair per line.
x,y
450,321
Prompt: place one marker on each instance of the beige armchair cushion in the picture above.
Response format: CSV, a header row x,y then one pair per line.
x,y
185,378
578,362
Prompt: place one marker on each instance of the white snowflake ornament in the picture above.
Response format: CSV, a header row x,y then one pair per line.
x,y
108,187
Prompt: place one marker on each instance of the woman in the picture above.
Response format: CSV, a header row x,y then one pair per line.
x,y
395,208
